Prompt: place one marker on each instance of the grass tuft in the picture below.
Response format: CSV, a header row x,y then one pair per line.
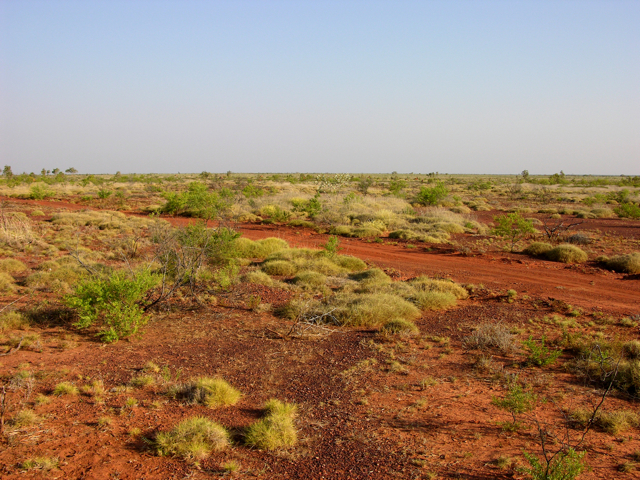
x,y
566,253
212,392
193,439
276,430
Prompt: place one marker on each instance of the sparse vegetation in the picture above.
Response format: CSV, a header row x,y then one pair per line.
x,y
193,439
276,430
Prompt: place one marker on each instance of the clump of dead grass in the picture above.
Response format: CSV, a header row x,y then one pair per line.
x,y
491,335
11,265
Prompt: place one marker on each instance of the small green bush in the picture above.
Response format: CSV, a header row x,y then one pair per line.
x,y
537,249
276,430
193,439
113,302
566,253
566,465
539,354
629,263
399,326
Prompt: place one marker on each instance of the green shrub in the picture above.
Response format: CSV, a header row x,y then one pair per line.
x,y
112,302
399,326
276,430
11,265
566,253
279,268
539,354
629,263
212,392
432,195
513,227
628,210
193,439
566,465
537,249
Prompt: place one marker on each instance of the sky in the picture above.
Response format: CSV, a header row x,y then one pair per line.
x,y
321,86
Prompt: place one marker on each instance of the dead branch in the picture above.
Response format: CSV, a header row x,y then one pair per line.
x,y
13,350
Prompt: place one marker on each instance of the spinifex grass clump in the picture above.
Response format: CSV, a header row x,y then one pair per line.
x,y
567,254
399,326
260,248
193,439
276,430
538,249
212,392
629,263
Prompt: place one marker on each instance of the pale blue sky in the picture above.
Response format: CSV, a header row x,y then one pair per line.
x,y
321,86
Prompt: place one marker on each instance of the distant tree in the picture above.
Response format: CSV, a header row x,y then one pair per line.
x,y
512,226
55,171
364,184
71,170
525,175
7,172
43,172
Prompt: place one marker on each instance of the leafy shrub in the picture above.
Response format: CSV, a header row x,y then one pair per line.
x,y
399,326
539,354
193,439
628,210
212,392
513,227
566,465
567,254
112,302
629,263
432,195
537,249
276,429
197,201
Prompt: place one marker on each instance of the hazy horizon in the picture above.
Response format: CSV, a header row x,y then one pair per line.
x,y
461,87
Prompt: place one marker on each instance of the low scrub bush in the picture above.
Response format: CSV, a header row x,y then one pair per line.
x,y
629,263
12,321
566,465
350,264
613,422
628,210
211,392
538,249
112,303
193,439
567,254
539,354
276,430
